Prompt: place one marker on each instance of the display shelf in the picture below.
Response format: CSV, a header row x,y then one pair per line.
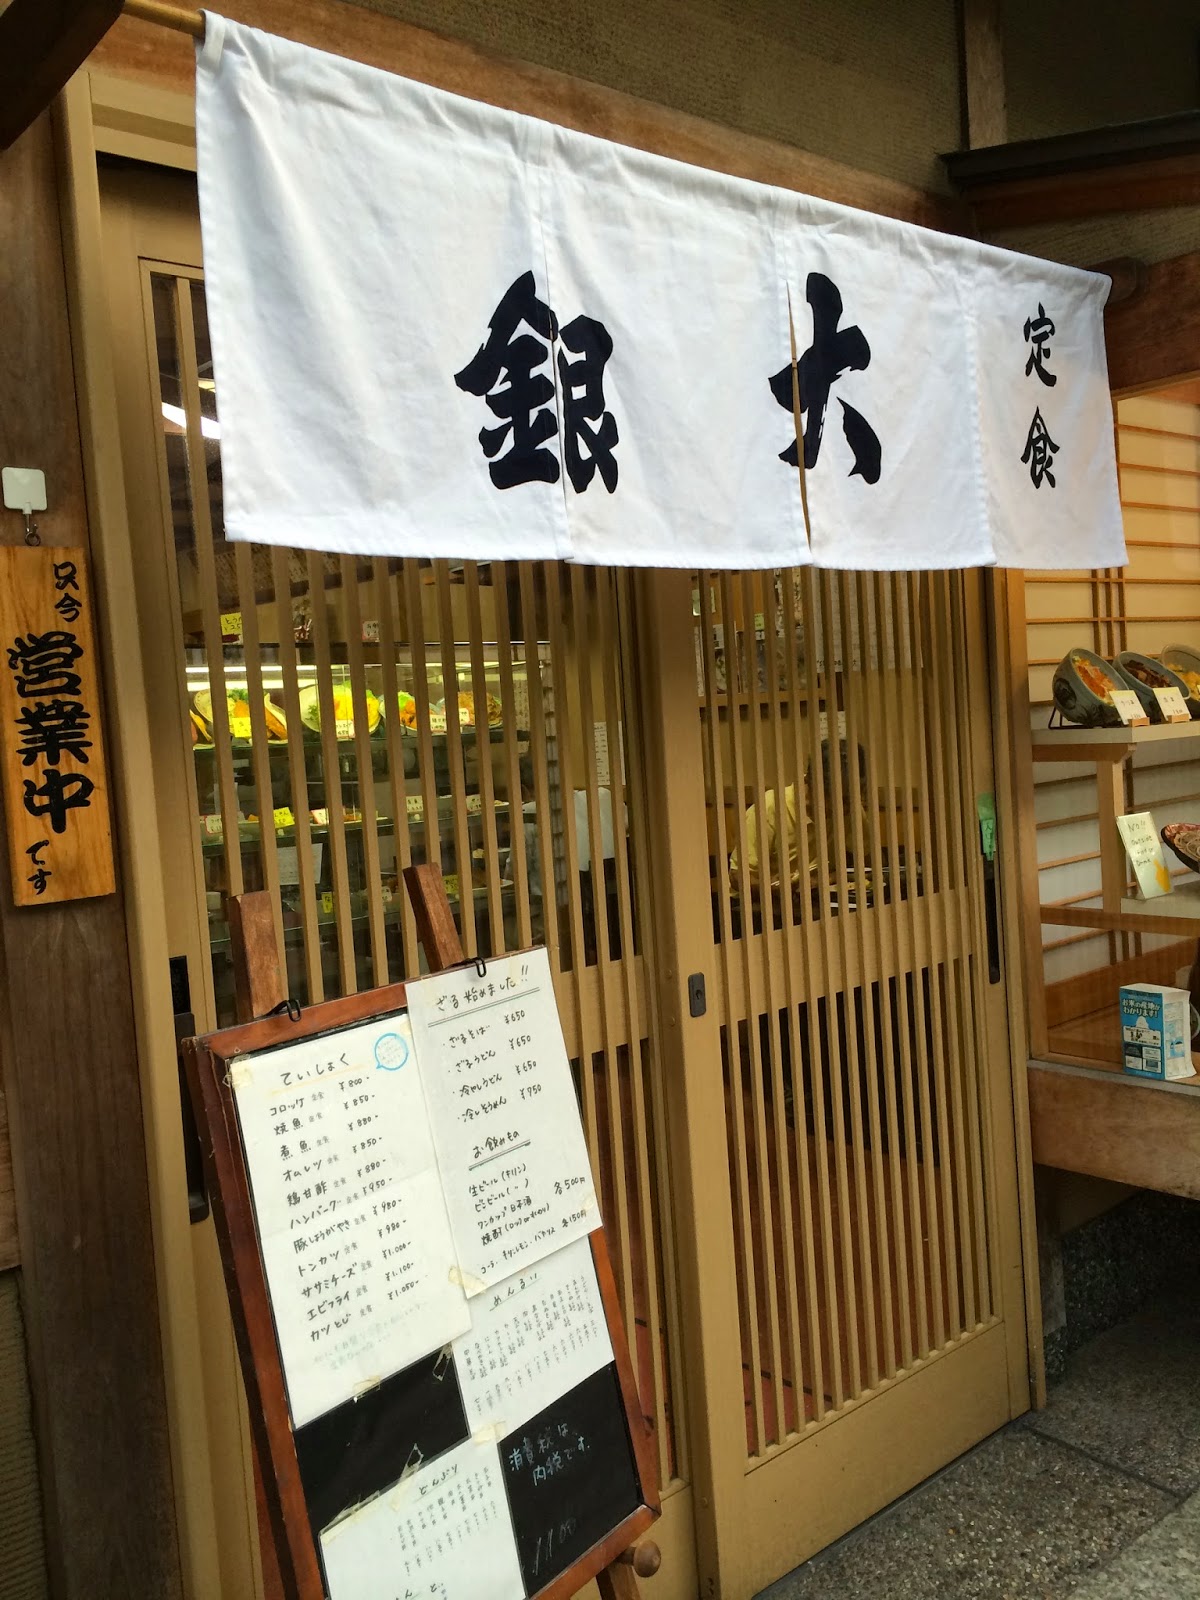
x,y
1174,913
1106,744
1096,1119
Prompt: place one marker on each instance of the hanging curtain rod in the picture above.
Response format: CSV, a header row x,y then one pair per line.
x,y
167,16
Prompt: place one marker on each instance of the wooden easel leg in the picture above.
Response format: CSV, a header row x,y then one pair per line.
x,y
259,987
618,1582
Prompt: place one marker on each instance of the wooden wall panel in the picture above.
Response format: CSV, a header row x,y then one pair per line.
x,y
9,1254
144,51
1154,338
23,1573
69,1053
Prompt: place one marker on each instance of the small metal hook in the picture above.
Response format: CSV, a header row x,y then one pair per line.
x,y
32,536
290,1006
480,967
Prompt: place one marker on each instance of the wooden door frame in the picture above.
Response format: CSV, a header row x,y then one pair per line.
x,y
68,1038
149,116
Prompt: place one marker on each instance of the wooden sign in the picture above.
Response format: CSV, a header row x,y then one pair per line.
x,y
486,1444
55,785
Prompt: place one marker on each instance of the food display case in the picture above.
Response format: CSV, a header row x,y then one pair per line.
x,y
445,765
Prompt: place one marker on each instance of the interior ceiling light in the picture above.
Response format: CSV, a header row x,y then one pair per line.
x,y
209,426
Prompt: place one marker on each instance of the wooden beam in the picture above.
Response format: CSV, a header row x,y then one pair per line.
x,y
42,42
69,1051
1153,339
1108,1125
139,50
981,66
1136,167
1138,186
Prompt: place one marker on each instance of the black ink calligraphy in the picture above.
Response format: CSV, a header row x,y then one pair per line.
x,y
834,351
41,874
1039,331
44,663
505,373
1040,450
56,724
56,795
48,728
66,583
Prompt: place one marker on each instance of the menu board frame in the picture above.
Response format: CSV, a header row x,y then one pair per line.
x,y
209,1061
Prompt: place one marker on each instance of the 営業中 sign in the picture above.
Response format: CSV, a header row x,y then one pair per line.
x,y
55,786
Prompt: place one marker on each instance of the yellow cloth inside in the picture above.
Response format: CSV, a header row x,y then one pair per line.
x,y
764,842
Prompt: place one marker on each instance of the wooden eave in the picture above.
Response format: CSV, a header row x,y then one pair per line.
x,y
1136,166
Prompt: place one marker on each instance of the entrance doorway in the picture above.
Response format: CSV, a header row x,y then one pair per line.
x,y
810,1183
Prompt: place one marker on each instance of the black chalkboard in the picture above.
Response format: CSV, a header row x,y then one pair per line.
x,y
365,1445
571,1476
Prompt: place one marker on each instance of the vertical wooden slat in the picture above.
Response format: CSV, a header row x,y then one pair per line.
x,y
298,776
386,607
798,1252
904,1200
758,973
352,615
565,717
734,1105
537,688
802,710
626,804
430,816
966,973
959,1001
929,1301
974,937
843,1051
206,574
776,953
820,986
933,848
837,624
867,853
588,655
483,754
516,814
459,821
260,753
331,762
734,1017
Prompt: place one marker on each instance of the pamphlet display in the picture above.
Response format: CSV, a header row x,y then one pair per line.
x,y
430,1333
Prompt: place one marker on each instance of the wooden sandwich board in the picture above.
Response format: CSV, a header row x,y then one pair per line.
x,y
575,1513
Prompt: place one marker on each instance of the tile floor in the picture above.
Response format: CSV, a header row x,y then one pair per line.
x,y
1097,1497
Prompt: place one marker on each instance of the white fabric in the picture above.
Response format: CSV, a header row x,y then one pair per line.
x,y
698,324
364,237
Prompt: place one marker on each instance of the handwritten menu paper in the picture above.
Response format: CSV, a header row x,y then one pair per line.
x,y
352,1223
532,1338
443,1531
504,1116
1145,852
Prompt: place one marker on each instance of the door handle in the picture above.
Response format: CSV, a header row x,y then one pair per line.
x,y
185,1028
985,806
